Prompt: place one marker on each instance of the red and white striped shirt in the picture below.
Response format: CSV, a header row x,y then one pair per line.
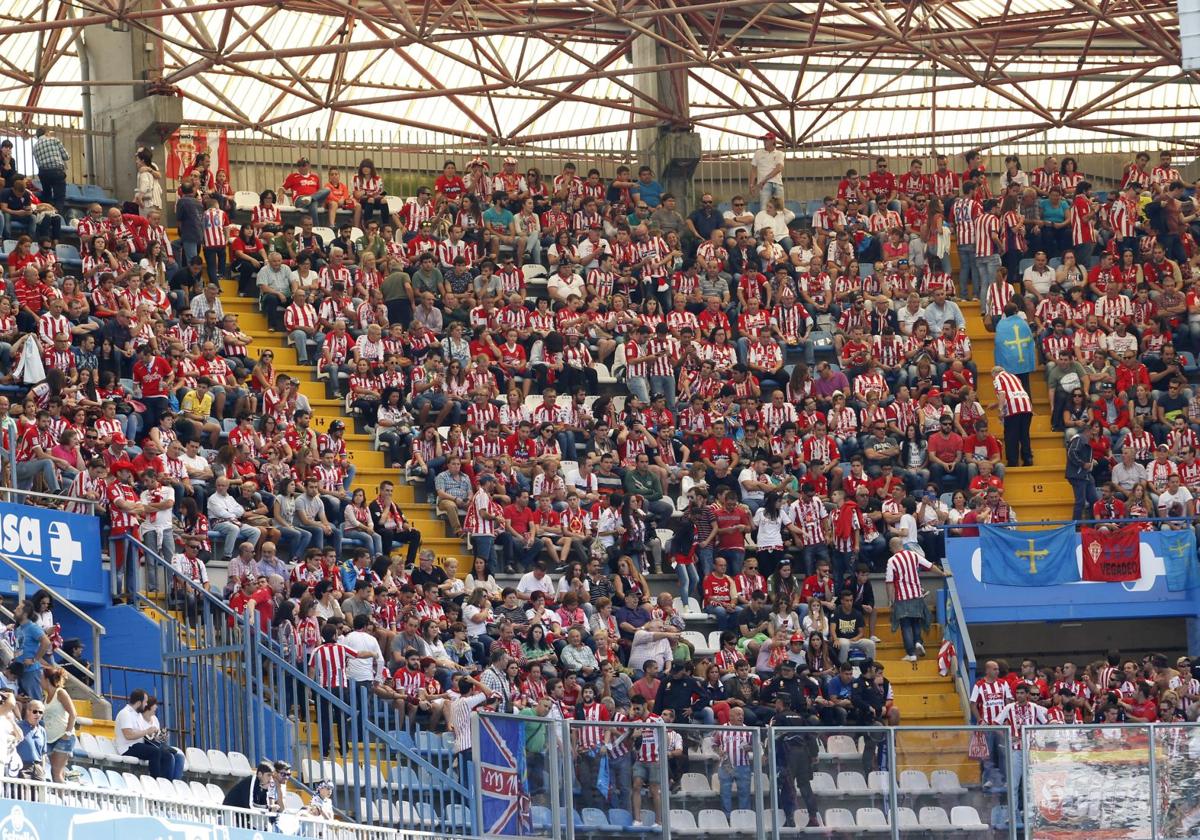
x,y
81,487
986,227
591,737
373,187
262,215
215,225
810,518
1020,715
413,213
990,699
945,183
328,662
736,744
31,438
1011,394
1082,229
1123,215
966,211
300,316
408,682
904,573
648,751
476,523
121,520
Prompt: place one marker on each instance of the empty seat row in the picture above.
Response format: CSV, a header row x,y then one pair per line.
x,y
698,784
458,817
100,749
874,820
711,820
911,782
193,792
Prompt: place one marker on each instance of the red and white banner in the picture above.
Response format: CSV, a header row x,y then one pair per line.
x,y
186,143
1112,555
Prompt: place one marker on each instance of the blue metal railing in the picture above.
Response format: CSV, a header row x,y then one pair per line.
x,y
230,687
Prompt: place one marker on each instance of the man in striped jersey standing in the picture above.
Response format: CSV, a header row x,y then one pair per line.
x,y
910,613
990,695
735,750
1016,410
591,742
327,663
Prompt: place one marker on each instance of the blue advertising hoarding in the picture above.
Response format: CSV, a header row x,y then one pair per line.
x,y
35,821
1148,596
61,549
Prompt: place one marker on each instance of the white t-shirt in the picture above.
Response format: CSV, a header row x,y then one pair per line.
x,y
361,670
764,161
529,584
770,531
160,520
750,474
645,646
1039,281
128,718
908,528
1167,499
474,628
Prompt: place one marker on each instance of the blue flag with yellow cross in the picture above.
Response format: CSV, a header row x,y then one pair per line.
x,y
1009,557
1016,347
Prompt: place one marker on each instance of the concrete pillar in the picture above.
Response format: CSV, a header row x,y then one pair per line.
x,y
125,111
671,148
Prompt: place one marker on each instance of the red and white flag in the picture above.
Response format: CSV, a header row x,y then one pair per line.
x,y
186,143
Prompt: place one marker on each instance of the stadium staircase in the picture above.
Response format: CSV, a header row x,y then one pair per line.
x,y
1040,492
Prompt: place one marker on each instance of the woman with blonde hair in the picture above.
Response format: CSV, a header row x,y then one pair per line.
x,y
59,721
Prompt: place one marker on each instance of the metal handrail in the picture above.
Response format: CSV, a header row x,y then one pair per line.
x,y
97,628
57,497
956,628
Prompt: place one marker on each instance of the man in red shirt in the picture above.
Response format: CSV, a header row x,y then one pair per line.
x,y
717,446
304,188
520,544
882,185
720,595
155,376
946,457
981,447
732,525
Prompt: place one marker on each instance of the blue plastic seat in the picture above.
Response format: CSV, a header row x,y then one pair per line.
x,y
621,819
74,192
459,819
1024,264
813,206
542,818
405,740
595,818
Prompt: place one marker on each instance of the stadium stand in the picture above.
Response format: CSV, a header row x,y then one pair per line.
x,y
580,392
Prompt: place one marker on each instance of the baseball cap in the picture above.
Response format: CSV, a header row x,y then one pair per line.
x,y
119,439
934,392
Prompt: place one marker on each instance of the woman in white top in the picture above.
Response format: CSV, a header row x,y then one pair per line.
x,y
816,621
783,617
907,530
481,578
59,720
149,191
770,520
10,733
477,613
776,217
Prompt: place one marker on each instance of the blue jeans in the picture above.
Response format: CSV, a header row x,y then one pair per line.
x,y
664,385
985,269
371,542
966,266
639,386
704,559
294,541
728,775
31,680
689,581
484,545
314,203
734,557
811,554
724,618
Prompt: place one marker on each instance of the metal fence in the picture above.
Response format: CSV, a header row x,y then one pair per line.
x,y
229,685
77,139
573,779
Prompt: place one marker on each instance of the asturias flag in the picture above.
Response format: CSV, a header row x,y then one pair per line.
x,y
1016,349
1179,557
1028,558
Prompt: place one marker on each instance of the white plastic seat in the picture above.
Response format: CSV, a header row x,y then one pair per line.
x,y
312,770
913,781
966,817
356,234
245,200
154,787
618,365
906,818
664,537
533,271
327,235
182,789
116,779
683,822
603,376
215,794
133,783
713,820
744,821
218,763
199,792
693,611
824,783
292,802
946,781
879,781
851,782
694,783
394,203
839,818
934,817
842,746
706,752
197,761
714,639
871,819
87,743
698,642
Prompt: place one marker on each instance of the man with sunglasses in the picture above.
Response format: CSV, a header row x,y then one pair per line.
x,y
947,467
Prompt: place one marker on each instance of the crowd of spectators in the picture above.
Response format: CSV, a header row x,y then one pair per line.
x,y
792,404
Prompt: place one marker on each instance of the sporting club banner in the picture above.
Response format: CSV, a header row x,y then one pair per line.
x,y
1179,555
504,782
1091,784
1114,555
186,143
58,548
1028,558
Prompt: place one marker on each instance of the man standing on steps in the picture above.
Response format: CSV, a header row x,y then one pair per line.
x,y
1016,412
1079,473
910,613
